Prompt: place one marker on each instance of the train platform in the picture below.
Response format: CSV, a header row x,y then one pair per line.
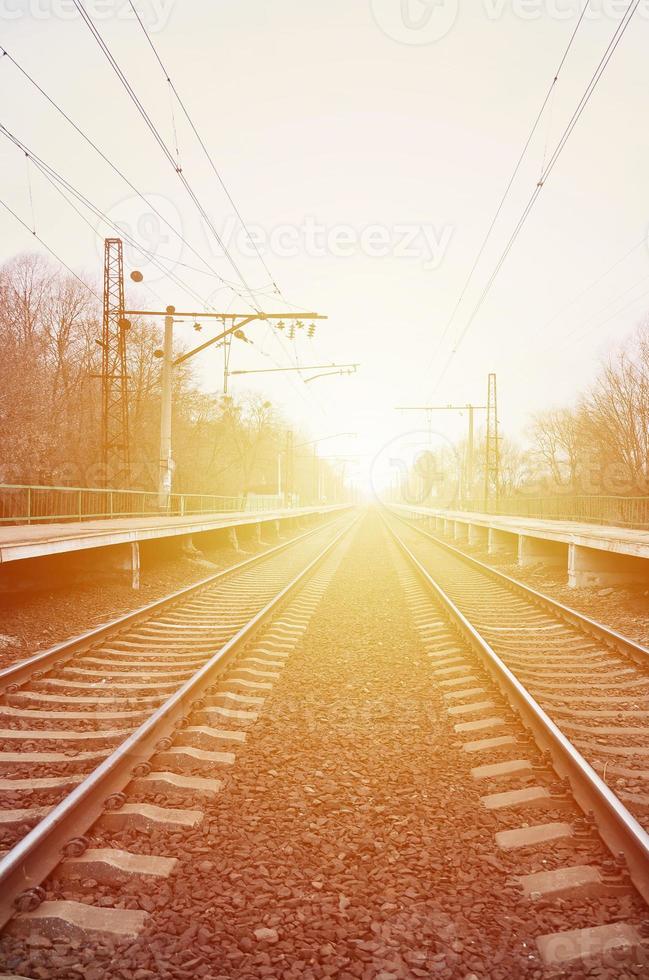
x,y
27,541
594,554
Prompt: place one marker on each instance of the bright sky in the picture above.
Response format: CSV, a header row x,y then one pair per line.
x,y
367,145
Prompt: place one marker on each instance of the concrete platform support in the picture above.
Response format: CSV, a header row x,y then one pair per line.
x,y
121,559
439,524
460,532
501,542
181,546
188,547
249,535
117,561
448,528
478,535
588,567
269,531
537,551
224,537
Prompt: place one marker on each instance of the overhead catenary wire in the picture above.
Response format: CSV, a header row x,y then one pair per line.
x,y
61,182
49,248
595,282
585,99
249,298
578,332
208,268
30,192
574,337
203,146
169,156
61,185
485,241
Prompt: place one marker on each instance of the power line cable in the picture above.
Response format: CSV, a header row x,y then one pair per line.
x,y
50,250
591,285
578,332
585,99
210,270
165,150
508,188
203,146
571,339
61,182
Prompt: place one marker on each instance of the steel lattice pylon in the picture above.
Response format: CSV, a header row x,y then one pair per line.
x,y
115,450
492,449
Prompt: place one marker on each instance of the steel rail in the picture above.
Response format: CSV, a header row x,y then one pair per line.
x,y
623,644
24,670
42,849
619,830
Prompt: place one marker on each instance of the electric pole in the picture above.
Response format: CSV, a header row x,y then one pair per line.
x,y
492,451
115,448
288,475
166,461
237,321
227,347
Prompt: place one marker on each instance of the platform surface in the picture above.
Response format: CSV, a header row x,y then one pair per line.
x,y
20,542
602,537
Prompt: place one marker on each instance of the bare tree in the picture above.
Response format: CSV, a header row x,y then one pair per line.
x,y
616,418
556,442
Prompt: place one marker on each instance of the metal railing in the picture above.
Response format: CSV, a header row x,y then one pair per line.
x,y
32,504
619,511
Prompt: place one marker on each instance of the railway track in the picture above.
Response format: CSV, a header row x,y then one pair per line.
x,y
79,721
501,650
160,860
592,682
